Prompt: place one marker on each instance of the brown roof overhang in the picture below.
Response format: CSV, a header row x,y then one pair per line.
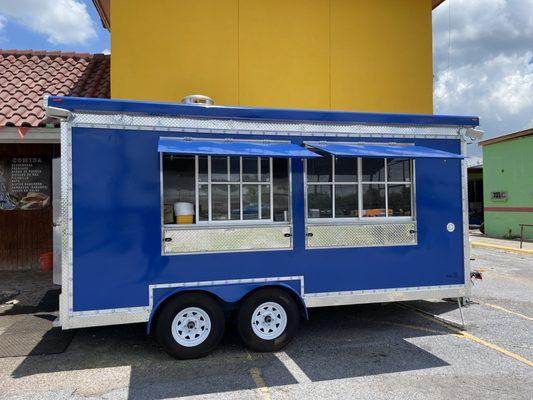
x,y
509,136
104,10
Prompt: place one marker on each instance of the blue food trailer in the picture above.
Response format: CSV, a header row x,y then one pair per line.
x,y
179,215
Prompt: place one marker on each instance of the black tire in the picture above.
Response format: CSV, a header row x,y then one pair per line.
x,y
170,311
482,228
248,307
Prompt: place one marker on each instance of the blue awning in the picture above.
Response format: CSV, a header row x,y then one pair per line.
x,y
221,148
374,150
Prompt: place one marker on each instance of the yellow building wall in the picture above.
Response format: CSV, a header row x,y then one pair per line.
x,y
355,55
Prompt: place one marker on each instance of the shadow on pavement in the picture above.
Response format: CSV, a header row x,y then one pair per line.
x,y
48,303
335,343
33,334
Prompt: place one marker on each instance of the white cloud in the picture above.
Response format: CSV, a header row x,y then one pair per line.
x,y
106,51
62,21
3,22
502,85
484,62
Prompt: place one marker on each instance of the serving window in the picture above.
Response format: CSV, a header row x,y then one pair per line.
x,y
358,188
211,190
226,195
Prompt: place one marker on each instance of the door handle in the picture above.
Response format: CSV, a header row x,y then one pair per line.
x,y
287,234
309,234
168,239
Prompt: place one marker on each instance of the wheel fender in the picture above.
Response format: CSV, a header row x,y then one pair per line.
x,y
300,301
229,295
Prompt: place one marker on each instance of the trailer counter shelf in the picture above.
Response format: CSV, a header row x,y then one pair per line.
x,y
176,214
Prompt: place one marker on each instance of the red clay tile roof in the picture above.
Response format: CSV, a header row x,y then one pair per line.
x,y
27,75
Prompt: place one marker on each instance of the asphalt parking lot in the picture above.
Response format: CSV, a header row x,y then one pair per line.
x,y
358,352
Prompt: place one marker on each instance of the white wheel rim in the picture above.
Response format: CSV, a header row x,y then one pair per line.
x,y
191,326
269,320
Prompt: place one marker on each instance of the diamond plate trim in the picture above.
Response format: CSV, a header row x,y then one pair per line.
x,y
65,299
466,243
382,295
223,239
357,235
377,291
151,288
225,126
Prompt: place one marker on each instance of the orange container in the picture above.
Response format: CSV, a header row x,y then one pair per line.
x,y
184,219
46,261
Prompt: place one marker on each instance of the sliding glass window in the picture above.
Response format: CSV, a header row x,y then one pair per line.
x,y
220,189
355,188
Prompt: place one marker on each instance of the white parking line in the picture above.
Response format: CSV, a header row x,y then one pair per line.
x,y
298,374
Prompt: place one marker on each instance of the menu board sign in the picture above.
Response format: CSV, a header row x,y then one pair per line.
x,y
24,183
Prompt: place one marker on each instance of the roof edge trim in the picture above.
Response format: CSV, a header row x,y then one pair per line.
x,y
255,113
103,9
507,137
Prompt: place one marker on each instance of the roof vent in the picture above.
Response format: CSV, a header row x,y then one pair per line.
x,y
198,99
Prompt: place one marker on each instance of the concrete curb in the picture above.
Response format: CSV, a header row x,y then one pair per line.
x,y
499,247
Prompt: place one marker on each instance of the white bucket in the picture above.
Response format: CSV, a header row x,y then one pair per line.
x,y
183,213
183,208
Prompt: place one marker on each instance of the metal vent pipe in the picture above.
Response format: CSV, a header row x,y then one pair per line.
x,y
198,99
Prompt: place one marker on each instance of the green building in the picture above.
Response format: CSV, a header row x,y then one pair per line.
x,y
508,184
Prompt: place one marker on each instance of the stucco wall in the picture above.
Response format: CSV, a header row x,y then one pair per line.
x,y
319,54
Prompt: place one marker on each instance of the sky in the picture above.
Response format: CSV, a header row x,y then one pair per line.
x,y
66,25
483,63
482,52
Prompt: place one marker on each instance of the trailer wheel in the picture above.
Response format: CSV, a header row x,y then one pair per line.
x,y
268,319
190,325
